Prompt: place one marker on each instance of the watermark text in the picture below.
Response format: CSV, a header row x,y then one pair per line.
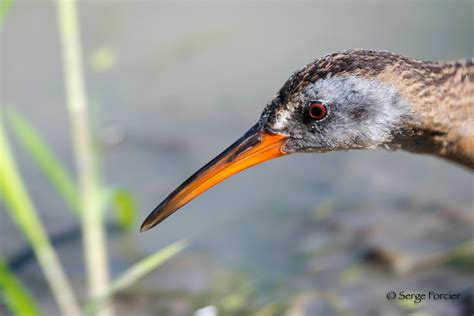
x,y
418,297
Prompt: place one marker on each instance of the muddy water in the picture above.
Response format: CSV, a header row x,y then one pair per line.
x,y
189,80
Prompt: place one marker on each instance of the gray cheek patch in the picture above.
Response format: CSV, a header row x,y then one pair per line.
x,y
365,112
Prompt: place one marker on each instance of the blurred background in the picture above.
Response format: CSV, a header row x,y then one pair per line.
x,y
170,85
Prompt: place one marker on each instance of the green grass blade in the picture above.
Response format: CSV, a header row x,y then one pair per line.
x,y
5,5
22,211
137,271
15,295
33,143
16,198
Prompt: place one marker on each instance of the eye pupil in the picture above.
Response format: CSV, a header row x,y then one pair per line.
x,y
317,111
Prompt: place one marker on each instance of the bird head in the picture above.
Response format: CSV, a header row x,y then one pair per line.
x,y
336,112
335,103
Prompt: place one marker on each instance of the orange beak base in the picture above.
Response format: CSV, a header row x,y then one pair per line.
x,y
254,147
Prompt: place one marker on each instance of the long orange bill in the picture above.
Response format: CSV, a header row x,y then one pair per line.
x,y
254,147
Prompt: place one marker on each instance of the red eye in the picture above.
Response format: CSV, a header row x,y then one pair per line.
x,y
317,111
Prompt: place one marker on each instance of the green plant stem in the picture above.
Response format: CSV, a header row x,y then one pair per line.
x,y
92,220
14,294
136,272
24,214
33,143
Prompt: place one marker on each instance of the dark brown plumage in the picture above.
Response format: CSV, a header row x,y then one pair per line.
x,y
355,99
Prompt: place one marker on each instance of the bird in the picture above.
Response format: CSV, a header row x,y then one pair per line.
x,y
353,99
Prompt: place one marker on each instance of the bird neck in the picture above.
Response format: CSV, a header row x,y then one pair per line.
x,y
441,98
